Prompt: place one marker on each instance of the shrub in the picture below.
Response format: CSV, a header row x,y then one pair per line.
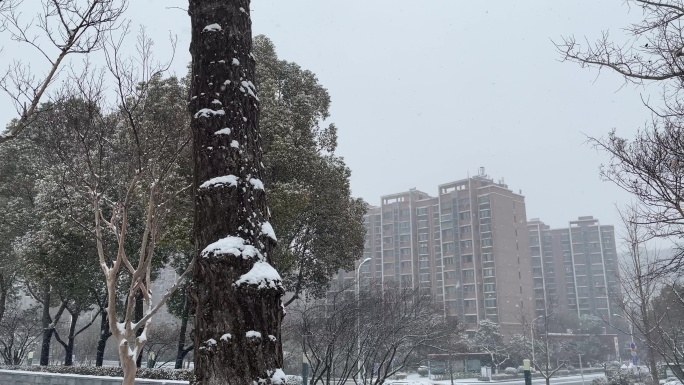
x,y
483,378
293,380
422,371
110,371
511,370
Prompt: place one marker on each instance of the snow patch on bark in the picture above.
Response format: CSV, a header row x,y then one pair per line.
x,y
263,275
223,131
231,245
229,180
208,113
258,184
212,28
253,334
277,377
267,230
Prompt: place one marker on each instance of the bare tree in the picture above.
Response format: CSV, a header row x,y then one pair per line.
x,y
640,285
652,50
60,28
668,308
19,331
236,290
371,337
542,361
649,167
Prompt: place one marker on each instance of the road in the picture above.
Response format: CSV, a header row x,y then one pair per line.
x,y
568,380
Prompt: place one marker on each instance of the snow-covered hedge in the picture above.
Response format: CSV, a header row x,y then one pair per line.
x,y
111,371
293,380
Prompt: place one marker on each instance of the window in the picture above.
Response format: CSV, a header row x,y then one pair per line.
x,y
421,211
404,238
406,265
470,273
450,289
466,229
405,251
464,215
404,225
490,302
468,258
485,228
387,227
469,288
422,237
448,233
424,263
469,303
449,274
489,287
387,240
449,246
486,242
485,213
483,199
464,203
422,224
387,214
448,261
404,212
488,272
423,250
467,244
446,217
471,319
487,257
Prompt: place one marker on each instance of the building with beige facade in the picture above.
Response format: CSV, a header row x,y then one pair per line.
x,y
468,246
575,268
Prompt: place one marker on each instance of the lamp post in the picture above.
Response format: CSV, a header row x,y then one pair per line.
x,y
358,326
632,346
527,372
532,335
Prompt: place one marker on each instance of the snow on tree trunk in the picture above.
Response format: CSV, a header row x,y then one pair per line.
x,y
237,293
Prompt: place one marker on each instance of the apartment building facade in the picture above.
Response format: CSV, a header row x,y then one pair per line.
x,y
469,246
577,267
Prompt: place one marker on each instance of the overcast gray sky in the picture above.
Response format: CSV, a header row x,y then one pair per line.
x,y
424,93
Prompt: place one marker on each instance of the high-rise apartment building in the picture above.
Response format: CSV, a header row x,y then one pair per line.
x,y
575,268
469,246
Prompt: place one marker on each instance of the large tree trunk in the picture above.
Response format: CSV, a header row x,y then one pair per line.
x,y
237,322
3,297
185,315
69,348
137,317
105,333
48,328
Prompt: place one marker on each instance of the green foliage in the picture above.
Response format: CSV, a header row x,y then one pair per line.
x,y
319,225
519,347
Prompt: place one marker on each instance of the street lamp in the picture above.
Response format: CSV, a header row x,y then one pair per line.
x,y
358,326
631,327
532,334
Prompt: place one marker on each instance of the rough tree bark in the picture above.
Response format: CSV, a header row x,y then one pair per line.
x,y
105,333
237,293
182,351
